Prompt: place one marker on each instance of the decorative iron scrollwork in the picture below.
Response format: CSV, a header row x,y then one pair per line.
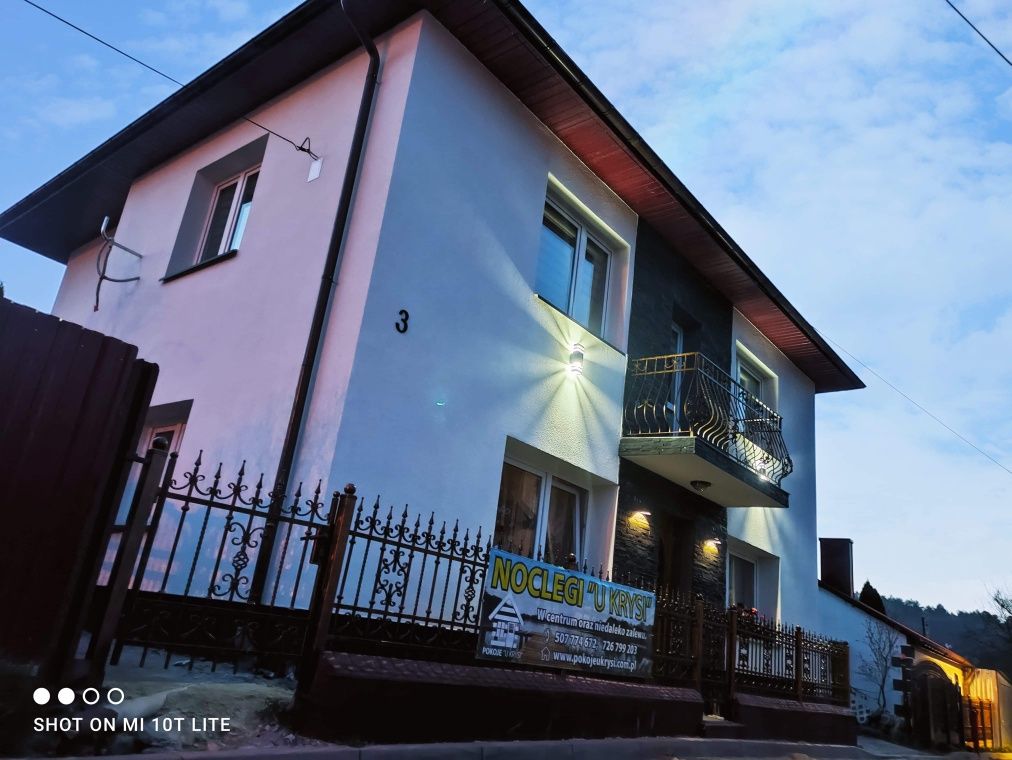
x,y
687,394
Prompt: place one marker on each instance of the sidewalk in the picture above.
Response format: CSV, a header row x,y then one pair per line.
x,y
581,749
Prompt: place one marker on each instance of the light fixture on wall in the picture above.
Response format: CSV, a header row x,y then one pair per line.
x,y
576,359
639,519
700,485
712,545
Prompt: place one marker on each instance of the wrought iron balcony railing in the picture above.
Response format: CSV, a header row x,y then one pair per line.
x,y
687,394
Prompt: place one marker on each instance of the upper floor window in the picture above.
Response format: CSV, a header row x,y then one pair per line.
x,y
539,514
572,271
229,211
756,380
750,379
217,211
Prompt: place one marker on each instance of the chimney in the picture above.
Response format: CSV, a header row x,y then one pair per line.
x,y
838,564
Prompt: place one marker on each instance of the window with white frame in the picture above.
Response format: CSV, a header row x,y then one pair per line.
x,y
750,379
539,513
226,219
573,264
674,406
218,210
756,379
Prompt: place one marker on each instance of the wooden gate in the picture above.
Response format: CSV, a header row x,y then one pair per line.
x,y
936,708
72,402
978,722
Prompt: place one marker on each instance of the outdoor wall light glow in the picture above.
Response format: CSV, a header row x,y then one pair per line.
x,y
639,519
712,545
576,359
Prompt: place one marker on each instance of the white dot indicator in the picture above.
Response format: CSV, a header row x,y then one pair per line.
x,y
65,695
41,696
110,697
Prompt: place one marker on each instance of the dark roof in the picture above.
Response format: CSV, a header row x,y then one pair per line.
x,y
915,638
64,213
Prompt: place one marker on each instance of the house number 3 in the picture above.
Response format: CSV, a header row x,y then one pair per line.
x,y
402,325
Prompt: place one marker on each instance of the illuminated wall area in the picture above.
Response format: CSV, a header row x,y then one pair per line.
x,y
482,373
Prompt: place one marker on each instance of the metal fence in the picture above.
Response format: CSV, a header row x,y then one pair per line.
x,y
409,584
773,658
399,585
411,587
687,394
192,591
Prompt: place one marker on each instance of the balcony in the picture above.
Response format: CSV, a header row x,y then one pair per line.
x,y
687,420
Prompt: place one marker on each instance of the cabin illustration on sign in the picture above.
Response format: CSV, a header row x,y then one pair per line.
x,y
506,623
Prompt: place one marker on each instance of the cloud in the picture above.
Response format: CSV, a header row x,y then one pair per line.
x,y
230,10
860,154
72,112
84,63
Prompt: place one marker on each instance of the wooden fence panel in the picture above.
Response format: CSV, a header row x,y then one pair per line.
x,y
72,402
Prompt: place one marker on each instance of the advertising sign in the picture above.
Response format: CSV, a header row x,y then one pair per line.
x,y
543,615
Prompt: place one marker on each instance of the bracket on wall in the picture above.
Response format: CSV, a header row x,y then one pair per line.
x,y
102,262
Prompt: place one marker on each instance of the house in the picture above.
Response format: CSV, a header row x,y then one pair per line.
x,y
926,690
475,289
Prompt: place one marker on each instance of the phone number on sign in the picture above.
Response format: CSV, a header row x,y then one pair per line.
x,y
590,642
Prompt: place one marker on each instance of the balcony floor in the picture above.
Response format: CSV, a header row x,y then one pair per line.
x,y
682,459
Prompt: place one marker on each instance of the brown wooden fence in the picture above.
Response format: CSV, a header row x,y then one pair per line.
x,y
72,402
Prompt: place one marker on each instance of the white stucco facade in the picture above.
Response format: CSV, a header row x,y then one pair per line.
x,y
445,225
428,412
231,336
846,622
788,535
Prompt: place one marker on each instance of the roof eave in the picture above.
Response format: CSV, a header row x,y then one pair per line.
x,y
913,636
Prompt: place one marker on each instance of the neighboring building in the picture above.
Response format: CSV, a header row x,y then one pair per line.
x,y
933,691
514,256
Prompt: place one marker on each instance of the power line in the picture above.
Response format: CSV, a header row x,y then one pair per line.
x,y
305,147
980,33
920,406
934,417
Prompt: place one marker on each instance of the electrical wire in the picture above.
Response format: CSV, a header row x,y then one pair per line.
x,y
305,147
920,406
979,33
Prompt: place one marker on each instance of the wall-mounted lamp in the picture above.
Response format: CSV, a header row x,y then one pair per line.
x,y
576,359
712,545
639,519
700,485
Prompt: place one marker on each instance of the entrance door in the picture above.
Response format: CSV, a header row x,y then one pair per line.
x,y
674,553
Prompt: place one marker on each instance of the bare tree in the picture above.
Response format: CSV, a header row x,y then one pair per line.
x,y
999,622
1002,602
876,662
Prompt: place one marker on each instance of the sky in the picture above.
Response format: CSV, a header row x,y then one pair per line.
x,y
859,151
